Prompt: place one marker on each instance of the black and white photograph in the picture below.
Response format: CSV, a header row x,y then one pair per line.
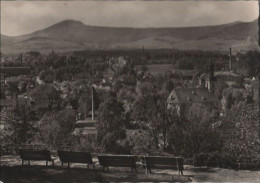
x,y
129,91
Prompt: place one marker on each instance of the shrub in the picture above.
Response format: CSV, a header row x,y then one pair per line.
x,y
215,159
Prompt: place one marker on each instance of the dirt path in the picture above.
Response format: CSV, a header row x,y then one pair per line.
x,y
222,175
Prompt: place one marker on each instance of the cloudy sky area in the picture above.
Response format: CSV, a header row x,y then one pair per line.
x,y
18,17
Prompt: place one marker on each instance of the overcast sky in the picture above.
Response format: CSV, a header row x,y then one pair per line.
x,y
19,18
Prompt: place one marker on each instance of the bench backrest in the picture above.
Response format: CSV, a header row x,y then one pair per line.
x,y
117,160
162,162
75,157
30,154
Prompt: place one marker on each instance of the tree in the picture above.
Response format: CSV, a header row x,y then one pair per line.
x,y
152,110
164,119
233,96
220,86
168,86
144,68
46,93
240,130
127,93
19,126
144,108
110,123
195,133
47,76
144,88
55,127
85,103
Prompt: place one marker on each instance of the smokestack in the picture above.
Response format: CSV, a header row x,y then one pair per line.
x,y
230,59
93,105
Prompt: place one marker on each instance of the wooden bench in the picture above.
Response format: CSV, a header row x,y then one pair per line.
x,y
75,157
160,162
36,155
118,161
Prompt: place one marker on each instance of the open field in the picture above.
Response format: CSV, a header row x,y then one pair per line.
x,y
13,172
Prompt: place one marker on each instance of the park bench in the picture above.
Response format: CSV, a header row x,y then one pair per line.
x,y
75,157
118,161
160,162
35,155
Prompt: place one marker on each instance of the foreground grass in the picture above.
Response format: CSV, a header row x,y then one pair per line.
x,y
41,174
11,171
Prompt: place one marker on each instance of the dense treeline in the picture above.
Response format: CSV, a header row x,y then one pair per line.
x,y
91,61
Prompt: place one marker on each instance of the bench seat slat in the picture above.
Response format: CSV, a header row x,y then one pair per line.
x,y
39,155
117,161
75,157
158,162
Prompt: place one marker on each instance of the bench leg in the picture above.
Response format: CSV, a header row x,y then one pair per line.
x,y
107,168
46,163
93,166
29,162
22,162
180,172
68,164
148,170
52,163
88,166
62,164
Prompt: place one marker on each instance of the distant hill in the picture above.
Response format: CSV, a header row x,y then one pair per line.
x,y
71,35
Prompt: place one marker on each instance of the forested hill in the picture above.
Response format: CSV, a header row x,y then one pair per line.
x,y
71,35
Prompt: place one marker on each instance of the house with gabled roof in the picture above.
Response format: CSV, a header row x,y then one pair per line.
x,y
182,98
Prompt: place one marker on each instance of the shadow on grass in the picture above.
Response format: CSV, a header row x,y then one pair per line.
x,y
40,174
139,177
123,175
203,169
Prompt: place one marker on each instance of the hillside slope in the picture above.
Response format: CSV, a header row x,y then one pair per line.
x,y
74,35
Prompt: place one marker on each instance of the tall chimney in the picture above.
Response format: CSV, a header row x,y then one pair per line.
x,y
93,105
230,59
